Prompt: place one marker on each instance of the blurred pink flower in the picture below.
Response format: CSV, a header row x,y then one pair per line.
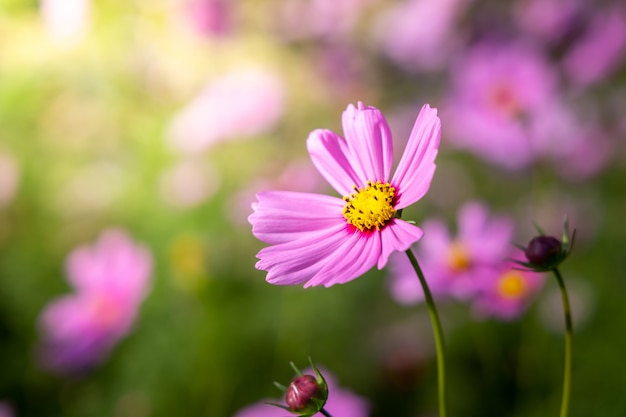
x,y
505,293
210,17
548,20
323,240
341,402
601,50
453,266
420,34
9,177
6,410
110,279
327,19
238,105
502,104
66,21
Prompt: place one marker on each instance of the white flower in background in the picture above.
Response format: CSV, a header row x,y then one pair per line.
x,y
66,21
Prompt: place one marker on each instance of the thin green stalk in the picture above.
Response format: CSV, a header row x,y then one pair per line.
x,y
326,413
567,371
438,332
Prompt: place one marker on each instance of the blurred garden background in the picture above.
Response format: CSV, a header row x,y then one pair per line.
x,y
140,131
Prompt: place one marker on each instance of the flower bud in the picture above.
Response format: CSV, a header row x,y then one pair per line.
x,y
304,395
544,251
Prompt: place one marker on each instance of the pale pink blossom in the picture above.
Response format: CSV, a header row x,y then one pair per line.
x,y
212,18
453,264
237,105
420,34
326,19
547,19
601,49
110,280
325,240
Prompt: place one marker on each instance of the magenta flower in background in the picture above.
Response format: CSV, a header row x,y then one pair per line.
x,y
548,20
6,410
420,34
324,240
212,18
601,49
325,19
110,279
454,265
241,104
506,292
341,402
500,101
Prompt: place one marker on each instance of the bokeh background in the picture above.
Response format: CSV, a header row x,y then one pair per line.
x,y
162,118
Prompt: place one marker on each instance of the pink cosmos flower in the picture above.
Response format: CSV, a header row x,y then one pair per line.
x,y
505,293
110,279
341,402
325,240
453,266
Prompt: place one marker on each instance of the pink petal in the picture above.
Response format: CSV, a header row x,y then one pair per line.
x,y
397,236
296,262
417,165
330,155
369,141
285,216
357,255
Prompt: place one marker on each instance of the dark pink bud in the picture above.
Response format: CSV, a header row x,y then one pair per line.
x,y
543,251
303,394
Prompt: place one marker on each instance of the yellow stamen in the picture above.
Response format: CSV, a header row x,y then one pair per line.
x,y
370,207
458,257
512,285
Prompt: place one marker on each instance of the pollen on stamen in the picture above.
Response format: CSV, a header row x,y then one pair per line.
x,y
370,207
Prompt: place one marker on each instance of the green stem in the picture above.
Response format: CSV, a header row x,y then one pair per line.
x,y
567,372
326,413
438,332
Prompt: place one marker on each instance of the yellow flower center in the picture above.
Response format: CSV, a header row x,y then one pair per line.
x,y
370,207
512,285
458,257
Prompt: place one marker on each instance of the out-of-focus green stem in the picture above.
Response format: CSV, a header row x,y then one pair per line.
x,y
438,332
567,371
